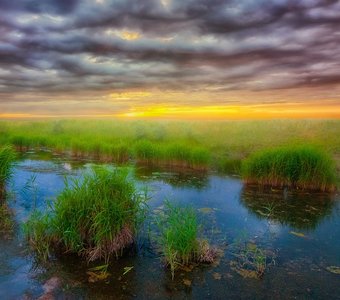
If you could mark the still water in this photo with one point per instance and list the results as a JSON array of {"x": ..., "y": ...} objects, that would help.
[{"x": 298, "y": 234}]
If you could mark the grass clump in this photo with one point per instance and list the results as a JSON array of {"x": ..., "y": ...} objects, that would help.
[
  {"x": 40, "y": 233},
  {"x": 172, "y": 154},
  {"x": 179, "y": 238},
  {"x": 95, "y": 217},
  {"x": 7, "y": 156},
  {"x": 300, "y": 167}
]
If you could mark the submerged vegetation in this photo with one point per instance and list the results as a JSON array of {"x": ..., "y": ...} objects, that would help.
[
  {"x": 300, "y": 167},
  {"x": 96, "y": 217},
  {"x": 179, "y": 238},
  {"x": 302, "y": 211},
  {"x": 251, "y": 261}
]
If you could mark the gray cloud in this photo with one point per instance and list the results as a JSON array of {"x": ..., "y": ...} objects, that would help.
[
  {"x": 197, "y": 45},
  {"x": 37, "y": 6}
]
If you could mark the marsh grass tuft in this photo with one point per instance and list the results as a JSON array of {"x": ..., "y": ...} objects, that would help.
[
  {"x": 40, "y": 234},
  {"x": 300, "y": 167},
  {"x": 7, "y": 156},
  {"x": 96, "y": 216},
  {"x": 172, "y": 154},
  {"x": 179, "y": 238}
]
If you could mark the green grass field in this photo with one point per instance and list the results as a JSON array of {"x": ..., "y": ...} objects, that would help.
[{"x": 219, "y": 145}]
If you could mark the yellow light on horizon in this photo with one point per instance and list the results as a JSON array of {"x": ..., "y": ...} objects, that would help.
[
  {"x": 14, "y": 115},
  {"x": 229, "y": 112},
  {"x": 144, "y": 106}
]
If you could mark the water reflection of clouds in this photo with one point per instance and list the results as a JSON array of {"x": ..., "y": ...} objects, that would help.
[{"x": 176, "y": 177}]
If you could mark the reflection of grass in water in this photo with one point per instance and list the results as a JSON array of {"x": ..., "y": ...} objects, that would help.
[
  {"x": 179, "y": 237},
  {"x": 301, "y": 167},
  {"x": 301, "y": 211},
  {"x": 177, "y": 177},
  {"x": 95, "y": 217}
]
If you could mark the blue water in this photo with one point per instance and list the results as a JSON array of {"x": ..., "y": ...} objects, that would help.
[{"x": 299, "y": 232}]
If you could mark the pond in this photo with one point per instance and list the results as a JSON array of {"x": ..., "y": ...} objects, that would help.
[{"x": 296, "y": 234}]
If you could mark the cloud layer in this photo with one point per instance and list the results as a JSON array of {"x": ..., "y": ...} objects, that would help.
[{"x": 86, "y": 49}]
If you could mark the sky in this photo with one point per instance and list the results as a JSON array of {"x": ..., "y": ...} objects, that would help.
[{"x": 191, "y": 59}]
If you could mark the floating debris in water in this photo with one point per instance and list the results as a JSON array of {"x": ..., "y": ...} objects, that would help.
[
  {"x": 243, "y": 272},
  {"x": 97, "y": 276},
  {"x": 98, "y": 273},
  {"x": 187, "y": 282},
  {"x": 52, "y": 284},
  {"x": 251, "y": 246},
  {"x": 206, "y": 210},
  {"x": 217, "y": 276},
  {"x": 333, "y": 269},
  {"x": 187, "y": 268},
  {"x": 299, "y": 234},
  {"x": 127, "y": 270}
]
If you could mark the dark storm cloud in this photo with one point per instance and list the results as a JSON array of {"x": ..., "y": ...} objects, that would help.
[
  {"x": 39, "y": 6},
  {"x": 64, "y": 46}
]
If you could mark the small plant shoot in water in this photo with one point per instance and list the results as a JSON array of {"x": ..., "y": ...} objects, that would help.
[
  {"x": 179, "y": 237},
  {"x": 251, "y": 261}
]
